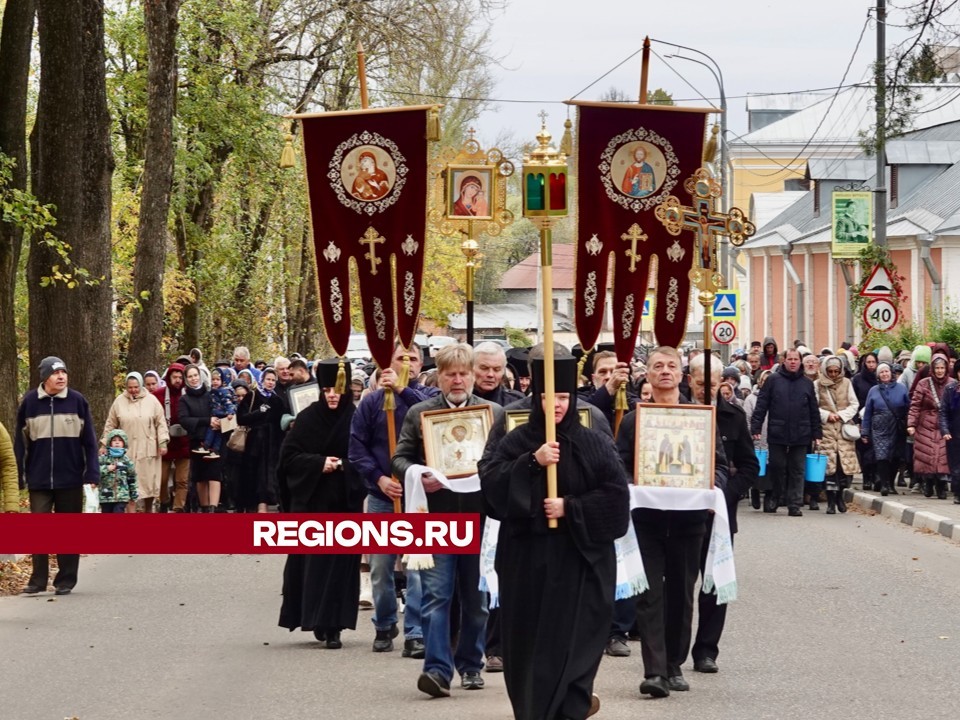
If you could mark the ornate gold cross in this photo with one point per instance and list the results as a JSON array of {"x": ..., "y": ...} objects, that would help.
[
  {"x": 702, "y": 219},
  {"x": 633, "y": 235},
  {"x": 372, "y": 238}
]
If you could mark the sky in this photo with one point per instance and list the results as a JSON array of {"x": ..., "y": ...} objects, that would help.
[{"x": 552, "y": 50}]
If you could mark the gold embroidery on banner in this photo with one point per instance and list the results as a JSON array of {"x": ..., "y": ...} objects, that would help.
[{"x": 371, "y": 238}]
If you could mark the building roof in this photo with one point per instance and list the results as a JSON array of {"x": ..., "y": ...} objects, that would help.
[
  {"x": 523, "y": 275},
  {"x": 513, "y": 315},
  {"x": 841, "y": 120},
  {"x": 922, "y": 152},
  {"x": 764, "y": 207},
  {"x": 784, "y": 101}
]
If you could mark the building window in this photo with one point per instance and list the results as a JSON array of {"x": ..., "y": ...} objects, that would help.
[
  {"x": 894, "y": 185},
  {"x": 816, "y": 200}
]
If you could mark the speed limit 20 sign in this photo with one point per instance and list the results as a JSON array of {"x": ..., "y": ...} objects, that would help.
[
  {"x": 724, "y": 332},
  {"x": 880, "y": 314}
]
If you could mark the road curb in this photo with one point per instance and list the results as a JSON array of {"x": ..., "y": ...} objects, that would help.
[{"x": 912, "y": 516}]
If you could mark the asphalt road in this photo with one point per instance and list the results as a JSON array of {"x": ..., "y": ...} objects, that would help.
[{"x": 839, "y": 616}]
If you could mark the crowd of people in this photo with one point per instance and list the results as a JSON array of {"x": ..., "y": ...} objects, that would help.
[{"x": 232, "y": 438}]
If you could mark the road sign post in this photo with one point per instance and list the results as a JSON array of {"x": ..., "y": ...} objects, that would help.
[{"x": 880, "y": 314}]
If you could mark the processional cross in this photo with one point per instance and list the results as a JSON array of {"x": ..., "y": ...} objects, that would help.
[
  {"x": 371, "y": 238},
  {"x": 703, "y": 219},
  {"x": 633, "y": 235}
]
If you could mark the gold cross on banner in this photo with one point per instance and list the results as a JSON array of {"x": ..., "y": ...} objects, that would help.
[
  {"x": 372, "y": 238},
  {"x": 702, "y": 219},
  {"x": 633, "y": 235}
]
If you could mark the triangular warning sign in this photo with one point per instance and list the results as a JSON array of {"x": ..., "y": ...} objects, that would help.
[
  {"x": 879, "y": 284},
  {"x": 724, "y": 306}
]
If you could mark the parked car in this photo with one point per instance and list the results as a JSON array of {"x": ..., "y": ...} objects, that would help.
[
  {"x": 439, "y": 341},
  {"x": 357, "y": 348}
]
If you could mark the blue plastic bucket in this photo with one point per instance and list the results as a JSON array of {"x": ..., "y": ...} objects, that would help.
[
  {"x": 816, "y": 468},
  {"x": 762, "y": 456}
]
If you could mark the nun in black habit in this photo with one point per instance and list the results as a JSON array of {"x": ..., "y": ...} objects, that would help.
[
  {"x": 320, "y": 591},
  {"x": 556, "y": 586}
]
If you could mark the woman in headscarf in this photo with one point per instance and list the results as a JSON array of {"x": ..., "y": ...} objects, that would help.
[
  {"x": 152, "y": 381},
  {"x": 320, "y": 591},
  {"x": 140, "y": 415},
  {"x": 863, "y": 381},
  {"x": 556, "y": 586},
  {"x": 930, "y": 463},
  {"x": 885, "y": 425},
  {"x": 950, "y": 429},
  {"x": 260, "y": 411},
  {"x": 838, "y": 405},
  {"x": 764, "y": 483},
  {"x": 196, "y": 416}
]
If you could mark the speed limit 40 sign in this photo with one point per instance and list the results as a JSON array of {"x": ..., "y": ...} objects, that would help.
[
  {"x": 880, "y": 314},
  {"x": 724, "y": 332}
]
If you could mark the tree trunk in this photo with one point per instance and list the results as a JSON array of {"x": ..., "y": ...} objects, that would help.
[
  {"x": 15, "y": 38},
  {"x": 74, "y": 165},
  {"x": 146, "y": 333}
]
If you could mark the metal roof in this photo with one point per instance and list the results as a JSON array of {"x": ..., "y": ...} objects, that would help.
[
  {"x": 841, "y": 169},
  {"x": 512, "y": 315},
  {"x": 764, "y": 207},
  {"x": 523, "y": 275},
  {"x": 922, "y": 152},
  {"x": 783, "y": 101},
  {"x": 841, "y": 120}
]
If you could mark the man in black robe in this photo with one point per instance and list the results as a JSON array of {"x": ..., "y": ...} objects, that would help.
[
  {"x": 320, "y": 591},
  {"x": 556, "y": 585}
]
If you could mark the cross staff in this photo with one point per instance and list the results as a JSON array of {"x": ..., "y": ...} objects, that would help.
[
  {"x": 372, "y": 238},
  {"x": 707, "y": 223}
]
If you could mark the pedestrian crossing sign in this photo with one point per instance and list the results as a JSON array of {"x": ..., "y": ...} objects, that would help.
[
  {"x": 647, "y": 307},
  {"x": 726, "y": 305}
]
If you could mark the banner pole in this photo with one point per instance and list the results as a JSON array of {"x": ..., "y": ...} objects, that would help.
[
  {"x": 644, "y": 71},
  {"x": 362, "y": 76},
  {"x": 549, "y": 379}
]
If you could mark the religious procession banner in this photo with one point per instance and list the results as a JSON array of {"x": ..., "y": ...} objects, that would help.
[
  {"x": 629, "y": 159},
  {"x": 852, "y": 222},
  {"x": 367, "y": 183}
]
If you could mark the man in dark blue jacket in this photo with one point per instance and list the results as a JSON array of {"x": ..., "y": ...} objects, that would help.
[
  {"x": 56, "y": 448},
  {"x": 794, "y": 423},
  {"x": 370, "y": 457}
]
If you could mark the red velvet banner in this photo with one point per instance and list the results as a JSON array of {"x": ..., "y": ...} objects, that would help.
[
  {"x": 240, "y": 534},
  {"x": 629, "y": 159},
  {"x": 367, "y": 182}
]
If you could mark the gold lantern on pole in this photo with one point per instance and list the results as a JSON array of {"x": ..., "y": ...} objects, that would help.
[{"x": 545, "y": 200}]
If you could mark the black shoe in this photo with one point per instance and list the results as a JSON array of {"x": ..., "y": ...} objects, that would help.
[
  {"x": 63, "y": 591},
  {"x": 320, "y": 635},
  {"x": 384, "y": 640},
  {"x": 471, "y": 680},
  {"x": 333, "y": 640},
  {"x": 754, "y": 498},
  {"x": 655, "y": 686},
  {"x": 414, "y": 648},
  {"x": 841, "y": 503},
  {"x": 884, "y": 491},
  {"x": 795, "y": 512},
  {"x": 433, "y": 685},
  {"x": 707, "y": 665},
  {"x": 814, "y": 503},
  {"x": 956, "y": 499},
  {"x": 616, "y": 647},
  {"x": 941, "y": 490},
  {"x": 32, "y": 589},
  {"x": 677, "y": 683},
  {"x": 928, "y": 488},
  {"x": 769, "y": 503}
]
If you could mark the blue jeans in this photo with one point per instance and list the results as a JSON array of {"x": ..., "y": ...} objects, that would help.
[
  {"x": 113, "y": 507},
  {"x": 385, "y": 591},
  {"x": 212, "y": 439},
  {"x": 462, "y": 572}
]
